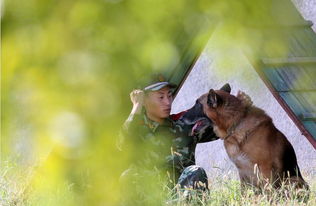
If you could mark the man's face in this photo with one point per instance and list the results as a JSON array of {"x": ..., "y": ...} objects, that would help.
[{"x": 158, "y": 103}]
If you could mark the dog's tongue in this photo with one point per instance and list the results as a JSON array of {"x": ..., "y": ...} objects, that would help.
[{"x": 197, "y": 124}]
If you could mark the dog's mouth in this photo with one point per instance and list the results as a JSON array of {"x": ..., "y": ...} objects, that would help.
[
  {"x": 200, "y": 126},
  {"x": 194, "y": 121}
]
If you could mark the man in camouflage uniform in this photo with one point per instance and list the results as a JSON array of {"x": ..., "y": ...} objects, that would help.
[
  {"x": 167, "y": 145},
  {"x": 164, "y": 141}
]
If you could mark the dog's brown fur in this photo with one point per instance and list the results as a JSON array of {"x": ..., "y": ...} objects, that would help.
[{"x": 253, "y": 143}]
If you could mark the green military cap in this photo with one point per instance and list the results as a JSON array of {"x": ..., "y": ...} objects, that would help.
[{"x": 157, "y": 82}]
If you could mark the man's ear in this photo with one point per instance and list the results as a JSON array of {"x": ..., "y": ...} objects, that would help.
[
  {"x": 226, "y": 88},
  {"x": 213, "y": 99}
]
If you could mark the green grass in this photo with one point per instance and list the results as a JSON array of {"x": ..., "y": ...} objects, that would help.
[
  {"x": 228, "y": 193},
  {"x": 16, "y": 190},
  {"x": 13, "y": 184}
]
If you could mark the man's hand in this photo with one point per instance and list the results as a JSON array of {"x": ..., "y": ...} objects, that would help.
[
  {"x": 244, "y": 98},
  {"x": 137, "y": 98}
]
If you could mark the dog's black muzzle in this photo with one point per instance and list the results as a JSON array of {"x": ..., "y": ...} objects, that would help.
[{"x": 200, "y": 125}]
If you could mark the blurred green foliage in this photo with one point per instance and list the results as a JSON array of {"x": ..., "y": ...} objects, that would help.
[{"x": 68, "y": 67}]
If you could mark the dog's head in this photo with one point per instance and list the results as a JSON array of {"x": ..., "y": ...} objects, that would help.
[
  {"x": 200, "y": 124},
  {"x": 222, "y": 108},
  {"x": 196, "y": 113}
]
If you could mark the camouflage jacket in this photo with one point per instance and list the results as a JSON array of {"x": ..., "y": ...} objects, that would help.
[{"x": 169, "y": 145}]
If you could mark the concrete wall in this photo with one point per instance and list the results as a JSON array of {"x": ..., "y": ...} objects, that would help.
[
  {"x": 307, "y": 9},
  {"x": 209, "y": 72}
]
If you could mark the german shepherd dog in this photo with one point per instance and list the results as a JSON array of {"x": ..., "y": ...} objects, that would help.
[{"x": 261, "y": 153}]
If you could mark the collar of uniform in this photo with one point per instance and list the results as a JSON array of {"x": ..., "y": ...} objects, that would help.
[
  {"x": 154, "y": 125},
  {"x": 151, "y": 124}
]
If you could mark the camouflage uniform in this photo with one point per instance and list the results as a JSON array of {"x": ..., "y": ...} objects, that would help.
[{"x": 165, "y": 146}]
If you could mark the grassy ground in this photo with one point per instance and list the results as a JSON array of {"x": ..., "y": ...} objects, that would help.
[
  {"x": 16, "y": 190},
  {"x": 228, "y": 193}
]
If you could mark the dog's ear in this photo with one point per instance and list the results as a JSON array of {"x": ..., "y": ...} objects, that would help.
[
  {"x": 226, "y": 88},
  {"x": 213, "y": 99}
]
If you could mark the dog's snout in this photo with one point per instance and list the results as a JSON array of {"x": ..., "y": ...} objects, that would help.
[{"x": 194, "y": 114}]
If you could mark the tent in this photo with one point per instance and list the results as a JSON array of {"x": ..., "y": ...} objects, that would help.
[{"x": 289, "y": 73}]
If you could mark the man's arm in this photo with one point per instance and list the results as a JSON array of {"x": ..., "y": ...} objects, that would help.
[{"x": 134, "y": 120}]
